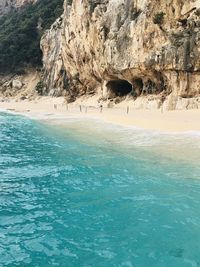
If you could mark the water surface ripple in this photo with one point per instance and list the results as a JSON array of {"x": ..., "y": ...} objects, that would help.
[{"x": 77, "y": 198}]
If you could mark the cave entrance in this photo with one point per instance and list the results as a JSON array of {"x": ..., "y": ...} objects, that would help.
[
  {"x": 118, "y": 88},
  {"x": 138, "y": 86}
]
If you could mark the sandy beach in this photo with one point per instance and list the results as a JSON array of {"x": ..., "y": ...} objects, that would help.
[{"x": 166, "y": 121}]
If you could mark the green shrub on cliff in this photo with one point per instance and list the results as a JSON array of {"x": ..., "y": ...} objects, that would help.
[
  {"x": 20, "y": 33},
  {"x": 159, "y": 18}
]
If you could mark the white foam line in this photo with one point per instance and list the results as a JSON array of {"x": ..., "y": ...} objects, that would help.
[{"x": 52, "y": 117}]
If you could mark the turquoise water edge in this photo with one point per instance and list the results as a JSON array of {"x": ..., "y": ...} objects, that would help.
[{"x": 89, "y": 194}]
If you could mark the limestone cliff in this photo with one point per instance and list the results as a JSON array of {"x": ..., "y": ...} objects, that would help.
[
  {"x": 7, "y": 5},
  {"x": 131, "y": 48},
  {"x": 54, "y": 75}
]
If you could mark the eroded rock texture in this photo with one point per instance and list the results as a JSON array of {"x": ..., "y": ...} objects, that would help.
[
  {"x": 54, "y": 75},
  {"x": 126, "y": 47}
]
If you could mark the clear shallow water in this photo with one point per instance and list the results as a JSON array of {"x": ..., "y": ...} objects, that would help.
[{"x": 98, "y": 196}]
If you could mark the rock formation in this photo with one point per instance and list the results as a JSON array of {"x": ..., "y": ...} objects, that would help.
[
  {"x": 54, "y": 75},
  {"x": 128, "y": 48},
  {"x": 19, "y": 86}
]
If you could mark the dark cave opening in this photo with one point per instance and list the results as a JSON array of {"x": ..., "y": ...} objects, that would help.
[
  {"x": 138, "y": 86},
  {"x": 118, "y": 88}
]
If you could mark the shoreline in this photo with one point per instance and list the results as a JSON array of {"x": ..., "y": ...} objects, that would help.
[{"x": 48, "y": 108}]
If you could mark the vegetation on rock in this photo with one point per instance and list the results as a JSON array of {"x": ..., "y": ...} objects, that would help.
[
  {"x": 159, "y": 18},
  {"x": 20, "y": 34}
]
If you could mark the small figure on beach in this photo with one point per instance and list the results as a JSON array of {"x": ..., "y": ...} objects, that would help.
[
  {"x": 127, "y": 110},
  {"x": 162, "y": 103}
]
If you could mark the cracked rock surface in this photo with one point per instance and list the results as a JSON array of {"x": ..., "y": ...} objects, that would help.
[{"x": 153, "y": 46}]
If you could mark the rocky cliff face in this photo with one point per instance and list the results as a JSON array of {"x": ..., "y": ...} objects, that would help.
[
  {"x": 126, "y": 48},
  {"x": 7, "y": 5},
  {"x": 54, "y": 75}
]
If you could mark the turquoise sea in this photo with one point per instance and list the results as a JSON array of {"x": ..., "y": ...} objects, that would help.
[{"x": 89, "y": 194}]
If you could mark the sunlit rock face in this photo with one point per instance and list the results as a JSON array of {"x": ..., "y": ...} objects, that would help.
[
  {"x": 54, "y": 74},
  {"x": 153, "y": 45},
  {"x": 7, "y": 5}
]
